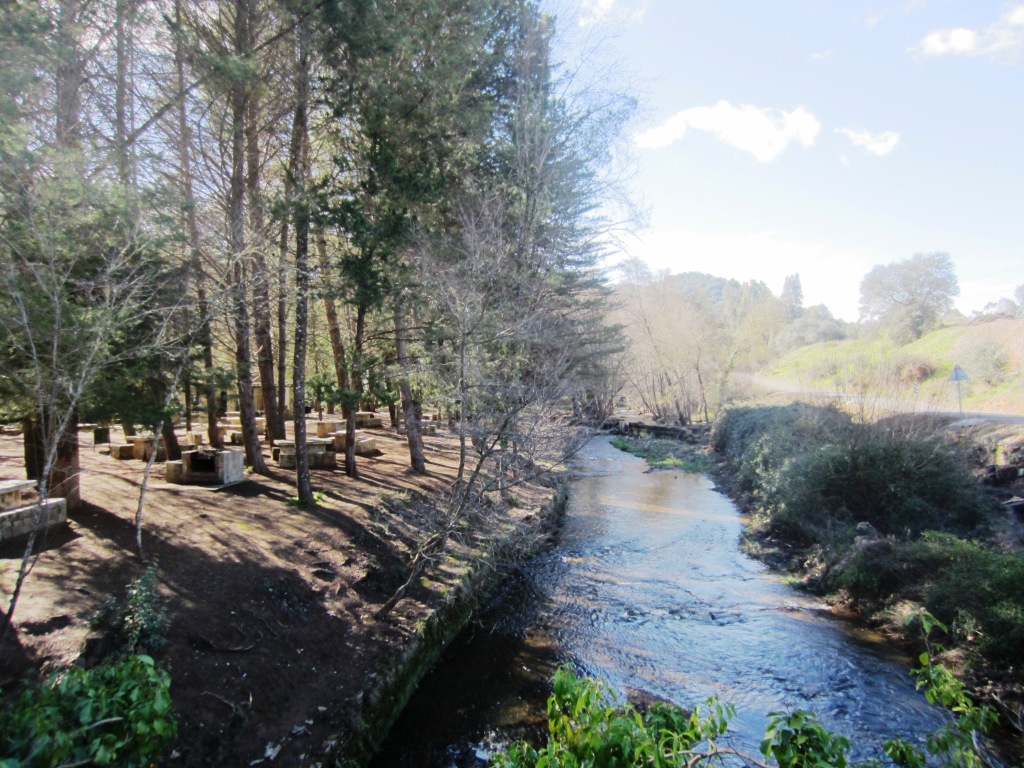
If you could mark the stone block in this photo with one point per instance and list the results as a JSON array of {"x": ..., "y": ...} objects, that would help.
[
  {"x": 326, "y": 427},
  {"x": 366, "y": 445},
  {"x": 230, "y": 467},
  {"x": 174, "y": 472},
  {"x": 235, "y": 438},
  {"x": 122, "y": 452},
  {"x": 323, "y": 460}
]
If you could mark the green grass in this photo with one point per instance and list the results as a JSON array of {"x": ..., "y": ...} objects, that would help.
[
  {"x": 990, "y": 353},
  {"x": 666, "y": 454}
]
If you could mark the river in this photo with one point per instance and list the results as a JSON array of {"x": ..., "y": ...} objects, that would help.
[{"x": 648, "y": 590}]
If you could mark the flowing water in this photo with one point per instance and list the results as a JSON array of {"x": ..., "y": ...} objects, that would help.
[{"x": 648, "y": 590}]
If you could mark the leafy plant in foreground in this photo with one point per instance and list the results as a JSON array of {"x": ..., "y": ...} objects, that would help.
[
  {"x": 114, "y": 714},
  {"x": 587, "y": 728}
]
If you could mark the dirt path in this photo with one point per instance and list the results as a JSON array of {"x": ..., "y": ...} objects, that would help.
[{"x": 272, "y": 604}]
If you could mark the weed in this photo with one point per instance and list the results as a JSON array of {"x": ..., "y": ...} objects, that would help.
[
  {"x": 113, "y": 714},
  {"x": 139, "y": 622}
]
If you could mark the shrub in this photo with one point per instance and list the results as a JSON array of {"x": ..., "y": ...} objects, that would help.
[
  {"x": 816, "y": 474},
  {"x": 974, "y": 587},
  {"x": 138, "y": 623},
  {"x": 116, "y": 714}
]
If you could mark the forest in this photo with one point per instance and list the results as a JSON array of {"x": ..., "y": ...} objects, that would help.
[{"x": 342, "y": 203}]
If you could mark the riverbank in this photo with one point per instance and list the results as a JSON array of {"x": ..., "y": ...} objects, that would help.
[
  {"x": 884, "y": 519},
  {"x": 275, "y": 648}
]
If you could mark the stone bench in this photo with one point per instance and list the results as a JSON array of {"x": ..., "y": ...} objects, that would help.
[
  {"x": 369, "y": 420},
  {"x": 366, "y": 446},
  {"x": 340, "y": 439},
  {"x": 23, "y": 520},
  {"x": 142, "y": 445},
  {"x": 122, "y": 452},
  {"x": 326, "y": 427},
  {"x": 318, "y": 453}
]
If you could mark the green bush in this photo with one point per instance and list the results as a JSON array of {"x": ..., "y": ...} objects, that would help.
[
  {"x": 587, "y": 728},
  {"x": 815, "y": 474},
  {"x": 975, "y": 590},
  {"x": 138, "y": 623},
  {"x": 116, "y": 714}
]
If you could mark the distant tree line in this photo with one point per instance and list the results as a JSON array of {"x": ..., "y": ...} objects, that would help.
[{"x": 687, "y": 333}]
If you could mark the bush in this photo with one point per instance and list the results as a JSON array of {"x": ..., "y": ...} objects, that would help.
[
  {"x": 815, "y": 474},
  {"x": 138, "y": 623},
  {"x": 587, "y": 728},
  {"x": 975, "y": 590},
  {"x": 117, "y": 714}
]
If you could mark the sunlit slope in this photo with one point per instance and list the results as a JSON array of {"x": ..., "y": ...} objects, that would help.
[{"x": 989, "y": 351}]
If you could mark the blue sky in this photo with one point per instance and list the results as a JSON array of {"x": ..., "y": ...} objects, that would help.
[{"x": 824, "y": 137}]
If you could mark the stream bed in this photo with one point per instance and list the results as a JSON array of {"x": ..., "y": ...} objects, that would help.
[{"x": 647, "y": 589}]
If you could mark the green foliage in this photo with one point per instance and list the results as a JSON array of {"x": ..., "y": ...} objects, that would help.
[
  {"x": 139, "y": 622},
  {"x": 117, "y": 714},
  {"x": 960, "y": 742},
  {"x": 910, "y": 296},
  {"x": 665, "y": 454},
  {"x": 974, "y": 588},
  {"x": 798, "y": 740},
  {"x": 816, "y": 474},
  {"x": 587, "y": 728}
]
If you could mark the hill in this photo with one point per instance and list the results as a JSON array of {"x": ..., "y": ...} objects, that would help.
[{"x": 990, "y": 350}]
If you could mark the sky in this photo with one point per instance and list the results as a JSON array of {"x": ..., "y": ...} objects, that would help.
[{"x": 823, "y": 137}]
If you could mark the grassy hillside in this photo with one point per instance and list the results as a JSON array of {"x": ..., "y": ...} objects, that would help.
[{"x": 990, "y": 351}]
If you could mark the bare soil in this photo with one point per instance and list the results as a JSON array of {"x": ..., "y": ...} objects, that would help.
[{"x": 273, "y": 632}]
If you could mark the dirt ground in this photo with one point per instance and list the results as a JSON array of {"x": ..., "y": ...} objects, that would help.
[{"x": 272, "y": 604}]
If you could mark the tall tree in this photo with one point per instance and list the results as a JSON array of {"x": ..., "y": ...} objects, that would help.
[{"x": 909, "y": 297}]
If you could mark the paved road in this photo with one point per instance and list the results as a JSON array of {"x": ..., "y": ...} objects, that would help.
[{"x": 879, "y": 405}]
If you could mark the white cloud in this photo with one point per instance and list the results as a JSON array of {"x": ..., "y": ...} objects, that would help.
[
  {"x": 1003, "y": 37},
  {"x": 822, "y": 55},
  {"x": 764, "y": 133},
  {"x": 878, "y": 144},
  {"x": 593, "y": 12}
]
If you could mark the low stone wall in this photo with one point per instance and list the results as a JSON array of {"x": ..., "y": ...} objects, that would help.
[
  {"x": 21, "y": 520},
  {"x": 376, "y": 709}
]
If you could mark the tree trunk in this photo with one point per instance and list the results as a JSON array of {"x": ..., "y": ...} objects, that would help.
[
  {"x": 282, "y": 309},
  {"x": 170, "y": 440},
  {"x": 261, "y": 281},
  {"x": 192, "y": 227},
  {"x": 239, "y": 96},
  {"x": 333, "y": 328},
  {"x": 300, "y": 210},
  {"x": 35, "y": 450},
  {"x": 64, "y": 474},
  {"x": 412, "y": 427},
  {"x": 356, "y": 381}
]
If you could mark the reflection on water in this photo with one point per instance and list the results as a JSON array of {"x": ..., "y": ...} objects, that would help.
[{"x": 649, "y": 591}]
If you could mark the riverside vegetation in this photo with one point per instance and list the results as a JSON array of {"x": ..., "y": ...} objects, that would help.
[
  {"x": 884, "y": 517},
  {"x": 587, "y": 727}
]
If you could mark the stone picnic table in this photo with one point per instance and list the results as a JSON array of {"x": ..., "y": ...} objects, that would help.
[
  {"x": 11, "y": 490},
  {"x": 142, "y": 445}
]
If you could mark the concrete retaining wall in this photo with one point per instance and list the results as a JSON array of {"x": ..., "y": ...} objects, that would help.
[{"x": 22, "y": 520}]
